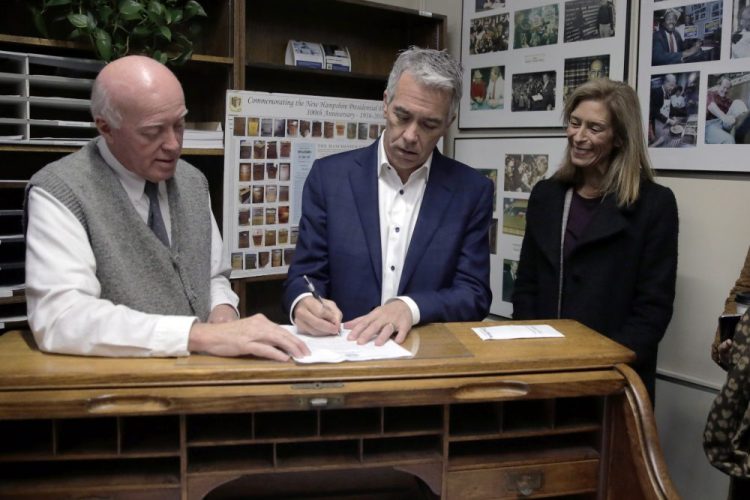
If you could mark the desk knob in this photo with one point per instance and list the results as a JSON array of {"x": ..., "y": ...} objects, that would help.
[{"x": 525, "y": 483}]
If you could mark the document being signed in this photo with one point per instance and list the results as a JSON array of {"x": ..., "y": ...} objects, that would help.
[{"x": 336, "y": 348}]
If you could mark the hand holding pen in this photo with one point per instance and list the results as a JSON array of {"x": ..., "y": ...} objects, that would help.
[{"x": 315, "y": 315}]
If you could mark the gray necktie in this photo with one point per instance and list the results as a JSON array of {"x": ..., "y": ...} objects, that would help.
[{"x": 155, "y": 221}]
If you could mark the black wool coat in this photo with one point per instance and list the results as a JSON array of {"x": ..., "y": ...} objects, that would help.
[{"x": 620, "y": 278}]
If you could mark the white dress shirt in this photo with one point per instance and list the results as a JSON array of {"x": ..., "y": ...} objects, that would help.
[
  {"x": 398, "y": 206},
  {"x": 66, "y": 312}
]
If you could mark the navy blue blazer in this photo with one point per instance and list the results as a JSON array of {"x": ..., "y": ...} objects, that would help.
[
  {"x": 660, "y": 53},
  {"x": 446, "y": 271}
]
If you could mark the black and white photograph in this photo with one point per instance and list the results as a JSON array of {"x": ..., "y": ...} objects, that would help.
[
  {"x": 727, "y": 114},
  {"x": 487, "y": 89},
  {"x": 579, "y": 70},
  {"x": 740, "y": 40},
  {"x": 488, "y": 34},
  {"x": 533, "y": 91},
  {"x": 484, "y": 5},
  {"x": 536, "y": 27},
  {"x": 673, "y": 110},
  {"x": 589, "y": 19},
  {"x": 687, "y": 34},
  {"x": 510, "y": 270},
  {"x": 523, "y": 171}
]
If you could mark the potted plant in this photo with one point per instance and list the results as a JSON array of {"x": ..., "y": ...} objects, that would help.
[{"x": 161, "y": 29}]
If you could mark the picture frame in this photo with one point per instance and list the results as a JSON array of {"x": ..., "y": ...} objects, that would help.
[
  {"x": 522, "y": 57},
  {"x": 694, "y": 83},
  {"x": 515, "y": 165}
]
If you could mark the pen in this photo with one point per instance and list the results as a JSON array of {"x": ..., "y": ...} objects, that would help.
[{"x": 315, "y": 293}]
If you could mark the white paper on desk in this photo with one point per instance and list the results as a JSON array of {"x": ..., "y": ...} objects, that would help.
[
  {"x": 507, "y": 332},
  {"x": 336, "y": 348}
]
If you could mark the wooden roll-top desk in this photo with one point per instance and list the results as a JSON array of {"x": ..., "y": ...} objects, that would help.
[{"x": 463, "y": 419}]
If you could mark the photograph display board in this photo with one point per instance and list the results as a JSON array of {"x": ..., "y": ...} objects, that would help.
[
  {"x": 271, "y": 143},
  {"x": 694, "y": 83},
  {"x": 514, "y": 166},
  {"x": 522, "y": 58}
]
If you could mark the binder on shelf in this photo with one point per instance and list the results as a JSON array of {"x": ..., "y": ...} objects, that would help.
[
  {"x": 304, "y": 54},
  {"x": 337, "y": 57},
  {"x": 16, "y": 290}
]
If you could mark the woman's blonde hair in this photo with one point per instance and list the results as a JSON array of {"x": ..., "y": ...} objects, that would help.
[{"x": 629, "y": 162}]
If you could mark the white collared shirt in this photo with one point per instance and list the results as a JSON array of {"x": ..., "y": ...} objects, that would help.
[
  {"x": 398, "y": 204},
  {"x": 63, "y": 294}
]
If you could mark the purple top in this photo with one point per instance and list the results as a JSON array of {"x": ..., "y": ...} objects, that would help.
[{"x": 581, "y": 212}]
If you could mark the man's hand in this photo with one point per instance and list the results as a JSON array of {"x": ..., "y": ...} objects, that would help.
[
  {"x": 222, "y": 313},
  {"x": 314, "y": 318},
  {"x": 692, "y": 50},
  {"x": 381, "y": 323},
  {"x": 256, "y": 336}
]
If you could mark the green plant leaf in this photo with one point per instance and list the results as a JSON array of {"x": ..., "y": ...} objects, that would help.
[
  {"x": 182, "y": 58},
  {"x": 165, "y": 32},
  {"x": 193, "y": 8},
  {"x": 105, "y": 13},
  {"x": 175, "y": 15},
  {"x": 103, "y": 44},
  {"x": 76, "y": 33},
  {"x": 130, "y": 9},
  {"x": 156, "y": 7},
  {"x": 141, "y": 31},
  {"x": 80, "y": 21},
  {"x": 39, "y": 23},
  {"x": 160, "y": 56}
]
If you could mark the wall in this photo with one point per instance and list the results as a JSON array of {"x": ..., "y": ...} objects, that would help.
[{"x": 714, "y": 238}]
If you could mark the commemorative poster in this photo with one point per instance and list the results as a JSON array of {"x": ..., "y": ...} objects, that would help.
[
  {"x": 271, "y": 143},
  {"x": 694, "y": 83},
  {"x": 522, "y": 58},
  {"x": 514, "y": 166}
]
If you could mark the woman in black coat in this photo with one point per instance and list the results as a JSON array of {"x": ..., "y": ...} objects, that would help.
[{"x": 619, "y": 246}]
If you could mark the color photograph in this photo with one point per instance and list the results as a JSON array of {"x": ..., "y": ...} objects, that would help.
[
  {"x": 488, "y": 34},
  {"x": 536, "y": 27},
  {"x": 673, "y": 110},
  {"x": 687, "y": 34},
  {"x": 589, "y": 19}
]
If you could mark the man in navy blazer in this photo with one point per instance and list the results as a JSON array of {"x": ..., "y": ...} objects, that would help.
[
  {"x": 668, "y": 46},
  {"x": 395, "y": 234}
]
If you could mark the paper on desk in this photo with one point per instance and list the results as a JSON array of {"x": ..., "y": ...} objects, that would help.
[
  {"x": 507, "y": 332},
  {"x": 336, "y": 348}
]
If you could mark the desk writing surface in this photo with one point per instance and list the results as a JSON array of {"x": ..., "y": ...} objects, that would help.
[{"x": 450, "y": 349}]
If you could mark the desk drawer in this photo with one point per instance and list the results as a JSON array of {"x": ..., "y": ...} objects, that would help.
[{"x": 529, "y": 481}]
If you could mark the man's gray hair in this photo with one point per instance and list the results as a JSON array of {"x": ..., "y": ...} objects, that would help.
[
  {"x": 101, "y": 105},
  {"x": 433, "y": 68}
]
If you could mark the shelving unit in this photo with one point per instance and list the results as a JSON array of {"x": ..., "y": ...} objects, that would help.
[
  {"x": 242, "y": 47},
  {"x": 220, "y": 446}
]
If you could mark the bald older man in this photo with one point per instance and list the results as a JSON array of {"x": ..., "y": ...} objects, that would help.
[{"x": 124, "y": 257}]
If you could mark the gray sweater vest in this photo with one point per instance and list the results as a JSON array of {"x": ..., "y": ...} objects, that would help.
[{"x": 134, "y": 268}]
